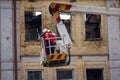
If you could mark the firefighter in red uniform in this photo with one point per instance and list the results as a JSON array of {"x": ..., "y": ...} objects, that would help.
[{"x": 49, "y": 40}]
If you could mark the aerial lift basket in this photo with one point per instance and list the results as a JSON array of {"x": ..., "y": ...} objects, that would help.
[{"x": 60, "y": 57}]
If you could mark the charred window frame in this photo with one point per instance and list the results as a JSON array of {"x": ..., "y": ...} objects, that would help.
[
  {"x": 66, "y": 18},
  {"x": 35, "y": 75},
  {"x": 32, "y": 25},
  {"x": 65, "y": 74},
  {"x": 97, "y": 74},
  {"x": 93, "y": 27}
]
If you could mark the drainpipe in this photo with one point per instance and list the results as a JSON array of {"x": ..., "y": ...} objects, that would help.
[
  {"x": 15, "y": 42},
  {"x": 0, "y": 41}
]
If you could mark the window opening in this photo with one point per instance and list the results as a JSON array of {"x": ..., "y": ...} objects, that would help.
[
  {"x": 32, "y": 25},
  {"x": 31, "y": 0},
  {"x": 72, "y": 0},
  {"x": 97, "y": 74},
  {"x": 34, "y": 75},
  {"x": 92, "y": 26},
  {"x": 65, "y": 75}
]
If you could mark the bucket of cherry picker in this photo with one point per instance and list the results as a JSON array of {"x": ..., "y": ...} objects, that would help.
[{"x": 57, "y": 54}]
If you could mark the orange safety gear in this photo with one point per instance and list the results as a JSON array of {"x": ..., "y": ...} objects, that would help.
[{"x": 50, "y": 36}]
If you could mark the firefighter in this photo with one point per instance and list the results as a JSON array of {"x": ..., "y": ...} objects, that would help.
[{"x": 49, "y": 40}]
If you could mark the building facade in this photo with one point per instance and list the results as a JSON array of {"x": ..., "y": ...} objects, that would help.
[
  {"x": 89, "y": 52},
  {"x": 95, "y": 44},
  {"x": 114, "y": 39}
]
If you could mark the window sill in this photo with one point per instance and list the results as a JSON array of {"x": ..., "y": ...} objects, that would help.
[
  {"x": 94, "y": 39},
  {"x": 31, "y": 42}
]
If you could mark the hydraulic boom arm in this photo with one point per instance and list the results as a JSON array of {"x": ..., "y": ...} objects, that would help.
[{"x": 55, "y": 8}]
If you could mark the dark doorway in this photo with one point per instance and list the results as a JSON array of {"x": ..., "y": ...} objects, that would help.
[{"x": 94, "y": 74}]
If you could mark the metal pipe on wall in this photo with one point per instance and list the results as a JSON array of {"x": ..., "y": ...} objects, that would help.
[
  {"x": 14, "y": 39},
  {"x": 0, "y": 39}
]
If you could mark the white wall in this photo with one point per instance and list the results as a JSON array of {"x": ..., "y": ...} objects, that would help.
[
  {"x": 7, "y": 43},
  {"x": 114, "y": 43}
]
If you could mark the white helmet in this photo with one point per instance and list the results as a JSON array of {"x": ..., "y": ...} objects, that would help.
[
  {"x": 49, "y": 30},
  {"x": 45, "y": 30}
]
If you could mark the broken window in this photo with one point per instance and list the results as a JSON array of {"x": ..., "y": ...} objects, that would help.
[
  {"x": 66, "y": 18},
  {"x": 92, "y": 26},
  {"x": 32, "y": 25},
  {"x": 72, "y": 0},
  {"x": 34, "y": 75},
  {"x": 31, "y": 0},
  {"x": 97, "y": 74},
  {"x": 65, "y": 75}
]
